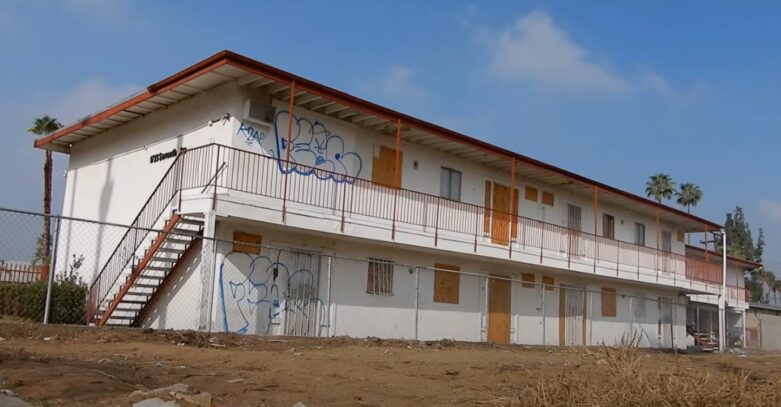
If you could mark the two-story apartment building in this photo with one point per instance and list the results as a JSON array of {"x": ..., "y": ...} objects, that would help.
[{"x": 387, "y": 225}]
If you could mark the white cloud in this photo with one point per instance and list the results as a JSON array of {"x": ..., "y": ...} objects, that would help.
[
  {"x": 771, "y": 210},
  {"x": 396, "y": 83},
  {"x": 87, "y": 98},
  {"x": 534, "y": 49}
]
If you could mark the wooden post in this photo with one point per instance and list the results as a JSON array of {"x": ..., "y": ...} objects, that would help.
[{"x": 288, "y": 147}]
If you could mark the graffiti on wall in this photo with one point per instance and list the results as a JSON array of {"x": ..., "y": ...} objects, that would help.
[
  {"x": 314, "y": 149},
  {"x": 250, "y": 134},
  {"x": 256, "y": 292}
]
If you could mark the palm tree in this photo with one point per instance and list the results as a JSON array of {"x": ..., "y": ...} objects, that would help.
[
  {"x": 660, "y": 186},
  {"x": 689, "y": 195},
  {"x": 42, "y": 126}
]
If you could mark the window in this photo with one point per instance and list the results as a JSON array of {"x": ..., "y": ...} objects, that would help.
[
  {"x": 667, "y": 241},
  {"x": 246, "y": 243},
  {"x": 547, "y": 198},
  {"x": 608, "y": 302},
  {"x": 608, "y": 226},
  {"x": 681, "y": 236},
  {"x": 450, "y": 184},
  {"x": 530, "y": 194},
  {"x": 447, "y": 283},
  {"x": 547, "y": 282},
  {"x": 527, "y": 280},
  {"x": 379, "y": 280},
  {"x": 639, "y": 234}
]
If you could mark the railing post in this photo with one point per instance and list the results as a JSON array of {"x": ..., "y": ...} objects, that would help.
[
  {"x": 477, "y": 225},
  {"x": 638, "y": 261},
  {"x": 512, "y": 211},
  {"x": 216, "y": 175},
  {"x": 180, "y": 163},
  {"x": 436, "y": 221},
  {"x": 344, "y": 203},
  {"x": 542, "y": 241}
]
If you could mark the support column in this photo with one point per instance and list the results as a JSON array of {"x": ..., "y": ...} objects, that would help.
[
  {"x": 396, "y": 177},
  {"x": 288, "y": 146},
  {"x": 207, "y": 271},
  {"x": 512, "y": 223}
]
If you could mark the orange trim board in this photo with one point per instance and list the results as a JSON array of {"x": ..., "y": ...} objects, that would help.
[{"x": 239, "y": 61}]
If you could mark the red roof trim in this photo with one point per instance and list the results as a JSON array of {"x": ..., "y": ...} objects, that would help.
[{"x": 251, "y": 65}]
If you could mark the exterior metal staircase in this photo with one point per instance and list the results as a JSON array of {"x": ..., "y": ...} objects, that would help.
[{"x": 167, "y": 251}]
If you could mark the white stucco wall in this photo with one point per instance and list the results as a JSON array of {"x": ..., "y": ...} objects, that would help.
[{"x": 349, "y": 310}]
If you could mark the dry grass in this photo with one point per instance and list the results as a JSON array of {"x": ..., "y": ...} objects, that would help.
[{"x": 624, "y": 376}]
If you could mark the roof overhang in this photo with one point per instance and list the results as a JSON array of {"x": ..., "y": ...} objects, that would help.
[
  {"x": 228, "y": 66},
  {"x": 699, "y": 252}
]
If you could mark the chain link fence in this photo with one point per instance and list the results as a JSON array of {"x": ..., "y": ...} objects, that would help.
[{"x": 174, "y": 278}]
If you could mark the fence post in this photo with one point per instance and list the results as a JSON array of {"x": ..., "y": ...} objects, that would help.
[
  {"x": 52, "y": 267},
  {"x": 417, "y": 299},
  {"x": 329, "y": 297},
  {"x": 542, "y": 287}
]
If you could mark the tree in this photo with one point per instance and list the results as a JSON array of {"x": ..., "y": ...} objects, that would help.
[
  {"x": 741, "y": 244},
  {"x": 660, "y": 186},
  {"x": 42, "y": 126},
  {"x": 689, "y": 195}
]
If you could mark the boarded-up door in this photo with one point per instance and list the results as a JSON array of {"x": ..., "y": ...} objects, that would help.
[
  {"x": 572, "y": 313},
  {"x": 503, "y": 211},
  {"x": 498, "y": 311},
  {"x": 384, "y": 168},
  {"x": 304, "y": 311},
  {"x": 665, "y": 323}
]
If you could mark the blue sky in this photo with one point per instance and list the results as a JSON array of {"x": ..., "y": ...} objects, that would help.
[{"x": 613, "y": 90}]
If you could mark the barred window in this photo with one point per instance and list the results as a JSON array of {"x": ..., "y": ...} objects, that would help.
[{"x": 379, "y": 280}]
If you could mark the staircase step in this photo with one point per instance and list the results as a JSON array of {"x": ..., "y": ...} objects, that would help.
[
  {"x": 170, "y": 250},
  {"x": 164, "y": 259},
  {"x": 124, "y": 301},
  {"x": 141, "y": 285},
  {"x": 187, "y": 232},
  {"x": 174, "y": 240},
  {"x": 125, "y": 317},
  {"x": 157, "y": 268},
  {"x": 191, "y": 221}
]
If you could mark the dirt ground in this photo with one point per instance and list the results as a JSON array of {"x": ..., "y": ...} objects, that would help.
[{"x": 78, "y": 366}]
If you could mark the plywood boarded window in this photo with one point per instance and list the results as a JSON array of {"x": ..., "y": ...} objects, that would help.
[
  {"x": 527, "y": 280},
  {"x": 246, "y": 242},
  {"x": 447, "y": 283},
  {"x": 384, "y": 168},
  {"x": 530, "y": 193},
  {"x": 379, "y": 279},
  {"x": 681, "y": 236},
  {"x": 608, "y": 302},
  {"x": 548, "y": 282},
  {"x": 548, "y": 198}
]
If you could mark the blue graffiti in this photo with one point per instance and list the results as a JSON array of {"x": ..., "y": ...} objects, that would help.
[
  {"x": 256, "y": 293},
  {"x": 314, "y": 150},
  {"x": 251, "y": 135}
]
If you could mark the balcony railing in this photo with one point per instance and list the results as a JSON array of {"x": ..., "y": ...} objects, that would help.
[
  {"x": 352, "y": 198},
  {"x": 737, "y": 293}
]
